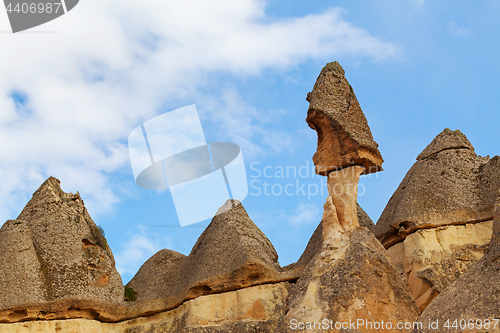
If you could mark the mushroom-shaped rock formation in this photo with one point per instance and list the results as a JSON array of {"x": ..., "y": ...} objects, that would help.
[
  {"x": 438, "y": 222},
  {"x": 344, "y": 138},
  {"x": 55, "y": 263},
  {"x": 474, "y": 296},
  {"x": 346, "y": 275},
  {"x": 232, "y": 253}
]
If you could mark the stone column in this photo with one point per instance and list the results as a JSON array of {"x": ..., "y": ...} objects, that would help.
[{"x": 343, "y": 189}]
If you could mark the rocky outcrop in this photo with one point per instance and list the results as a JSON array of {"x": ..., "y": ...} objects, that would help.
[
  {"x": 56, "y": 262},
  {"x": 294, "y": 271},
  {"x": 438, "y": 222},
  {"x": 250, "y": 310},
  {"x": 350, "y": 278},
  {"x": 354, "y": 280},
  {"x": 346, "y": 275},
  {"x": 232, "y": 253},
  {"x": 156, "y": 276},
  {"x": 446, "y": 186},
  {"x": 344, "y": 138},
  {"x": 474, "y": 297}
]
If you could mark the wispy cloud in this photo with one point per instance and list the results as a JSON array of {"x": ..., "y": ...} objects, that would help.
[
  {"x": 304, "y": 214},
  {"x": 68, "y": 100},
  {"x": 457, "y": 31}
]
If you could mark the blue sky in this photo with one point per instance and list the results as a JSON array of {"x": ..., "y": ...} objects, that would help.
[{"x": 73, "y": 89}]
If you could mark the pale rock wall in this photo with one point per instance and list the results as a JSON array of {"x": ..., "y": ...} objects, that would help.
[
  {"x": 254, "y": 309},
  {"x": 432, "y": 259}
]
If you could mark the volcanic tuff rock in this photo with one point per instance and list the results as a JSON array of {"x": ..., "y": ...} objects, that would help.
[
  {"x": 55, "y": 262},
  {"x": 350, "y": 277},
  {"x": 364, "y": 220},
  {"x": 294, "y": 271},
  {"x": 429, "y": 260},
  {"x": 446, "y": 186},
  {"x": 344, "y": 138},
  {"x": 475, "y": 294},
  {"x": 438, "y": 222},
  {"x": 447, "y": 139},
  {"x": 232, "y": 253},
  {"x": 251, "y": 310}
]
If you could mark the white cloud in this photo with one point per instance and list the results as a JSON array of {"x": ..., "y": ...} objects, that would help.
[
  {"x": 419, "y": 3},
  {"x": 457, "y": 31},
  {"x": 136, "y": 250},
  {"x": 110, "y": 66},
  {"x": 304, "y": 214},
  {"x": 234, "y": 120}
]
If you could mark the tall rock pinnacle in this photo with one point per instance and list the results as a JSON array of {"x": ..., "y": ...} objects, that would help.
[
  {"x": 348, "y": 276},
  {"x": 344, "y": 138}
]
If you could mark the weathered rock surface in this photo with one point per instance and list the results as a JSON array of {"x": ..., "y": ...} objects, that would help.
[
  {"x": 294, "y": 271},
  {"x": 351, "y": 278},
  {"x": 157, "y": 275},
  {"x": 344, "y": 138},
  {"x": 55, "y": 262},
  {"x": 448, "y": 185},
  {"x": 447, "y": 139},
  {"x": 346, "y": 189},
  {"x": 251, "y": 310},
  {"x": 438, "y": 222},
  {"x": 429, "y": 260},
  {"x": 474, "y": 295},
  {"x": 343, "y": 190},
  {"x": 232, "y": 253}
]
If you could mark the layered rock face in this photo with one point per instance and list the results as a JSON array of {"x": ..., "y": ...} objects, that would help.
[
  {"x": 474, "y": 298},
  {"x": 344, "y": 138},
  {"x": 438, "y": 222},
  {"x": 55, "y": 262},
  {"x": 250, "y": 310}
]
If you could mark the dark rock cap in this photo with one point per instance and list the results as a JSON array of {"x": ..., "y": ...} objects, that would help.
[
  {"x": 344, "y": 138},
  {"x": 448, "y": 139},
  {"x": 352, "y": 281}
]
